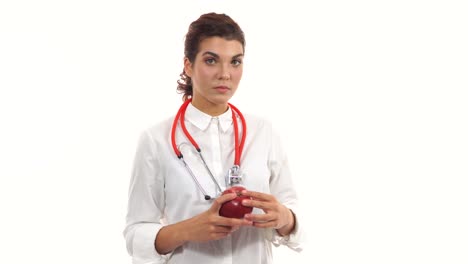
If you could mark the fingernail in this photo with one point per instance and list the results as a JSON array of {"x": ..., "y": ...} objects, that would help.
[{"x": 245, "y": 202}]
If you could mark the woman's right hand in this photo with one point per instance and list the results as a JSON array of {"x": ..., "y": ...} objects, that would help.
[
  {"x": 209, "y": 225},
  {"x": 206, "y": 226}
]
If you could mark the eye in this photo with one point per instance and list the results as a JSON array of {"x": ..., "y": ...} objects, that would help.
[
  {"x": 210, "y": 61},
  {"x": 236, "y": 62}
]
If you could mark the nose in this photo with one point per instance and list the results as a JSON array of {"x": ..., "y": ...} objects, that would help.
[{"x": 224, "y": 73}]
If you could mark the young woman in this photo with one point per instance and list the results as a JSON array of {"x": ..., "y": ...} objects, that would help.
[{"x": 183, "y": 164}]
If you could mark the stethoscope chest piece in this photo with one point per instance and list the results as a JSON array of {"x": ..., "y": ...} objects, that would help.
[{"x": 234, "y": 176}]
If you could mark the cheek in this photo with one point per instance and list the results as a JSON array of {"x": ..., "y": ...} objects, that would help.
[
  {"x": 205, "y": 74},
  {"x": 237, "y": 75}
]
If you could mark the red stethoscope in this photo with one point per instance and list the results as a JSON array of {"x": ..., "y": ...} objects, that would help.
[{"x": 234, "y": 175}]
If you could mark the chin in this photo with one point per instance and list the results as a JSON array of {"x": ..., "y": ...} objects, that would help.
[{"x": 220, "y": 99}]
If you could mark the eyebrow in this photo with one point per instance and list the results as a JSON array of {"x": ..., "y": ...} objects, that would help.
[{"x": 217, "y": 56}]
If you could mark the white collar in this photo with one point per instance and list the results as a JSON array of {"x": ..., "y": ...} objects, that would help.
[{"x": 202, "y": 120}]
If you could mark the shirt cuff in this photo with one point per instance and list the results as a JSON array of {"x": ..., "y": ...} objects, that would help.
[
  {"x": 294, "y": 240},
  {"x": 144, "y": 251}
]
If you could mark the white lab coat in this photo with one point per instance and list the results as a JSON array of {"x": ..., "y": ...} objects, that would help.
[{"x": 162, "y": 192}]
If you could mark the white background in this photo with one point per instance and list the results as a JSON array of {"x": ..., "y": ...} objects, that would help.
[{"x": 369, "y": 97}]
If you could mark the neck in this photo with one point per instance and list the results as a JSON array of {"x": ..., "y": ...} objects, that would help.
[{"x": 211, "y": 109}]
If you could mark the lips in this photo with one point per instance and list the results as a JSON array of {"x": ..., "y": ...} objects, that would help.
[{"x": 222, "y": 89}]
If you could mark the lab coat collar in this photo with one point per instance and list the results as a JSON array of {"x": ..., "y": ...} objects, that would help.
[{"x": 202, "y": 120}]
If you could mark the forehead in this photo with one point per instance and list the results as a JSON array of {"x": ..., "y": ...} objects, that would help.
[{"x": 221, "y": 46}]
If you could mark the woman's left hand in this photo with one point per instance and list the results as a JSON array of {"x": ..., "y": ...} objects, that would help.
[{"x": 276, "y": 215}]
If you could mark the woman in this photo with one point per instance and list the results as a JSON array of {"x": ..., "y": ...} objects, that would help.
[{"x": 175, "y": 193}]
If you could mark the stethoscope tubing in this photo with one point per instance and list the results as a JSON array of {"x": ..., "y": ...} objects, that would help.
[{"x": 238, "y": 147}]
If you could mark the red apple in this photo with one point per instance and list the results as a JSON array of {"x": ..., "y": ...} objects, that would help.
[{"x": 234, "y": 208}]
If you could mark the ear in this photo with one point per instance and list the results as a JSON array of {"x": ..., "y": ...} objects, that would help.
[{"x": 188, "y": 67}]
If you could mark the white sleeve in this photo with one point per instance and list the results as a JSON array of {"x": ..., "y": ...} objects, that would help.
[
  {"x": 146, "y": 203},
  {"x": 282, "y": 187}
]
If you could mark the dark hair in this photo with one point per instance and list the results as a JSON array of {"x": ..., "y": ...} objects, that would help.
[{"x": 207, "y": 25}]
